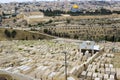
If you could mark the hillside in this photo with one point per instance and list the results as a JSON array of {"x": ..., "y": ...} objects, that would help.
[{"x": 10, "y": 34}]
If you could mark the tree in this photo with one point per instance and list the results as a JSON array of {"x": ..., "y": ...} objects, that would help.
[
  {"x": 7, "y": 33},
  {"x": 113, "y": 38},
  {"x": 30, "y": 25},
  {"x": 14, "y": 20},
  {"x": 106, "y": 38},
  {"x": 76, "y": 36},
  {"x": 105, "y": 11},
  {"x": 68, "y": 21},
  {"x": 49, "y": 32},
  {"x": 7, "y": 25},
  {"x": 50, "y": 21},
  {"x": 26, "y": 38},
  {"x": 45, "y": 30},
  {"x": 13, "y": 33},
  {"x": 40, "y": 24},
  {"x": 33, "y": 36},
  {"x": 119, "y": 39}
]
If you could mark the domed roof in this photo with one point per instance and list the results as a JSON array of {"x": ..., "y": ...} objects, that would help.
[{"x": 75, "y": 6}]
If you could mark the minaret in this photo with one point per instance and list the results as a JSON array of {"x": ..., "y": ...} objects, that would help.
[
  {"x": 66, "y": 5},
  {"x": 58, "y": 3},
  {"x": 55, "y": 5}
]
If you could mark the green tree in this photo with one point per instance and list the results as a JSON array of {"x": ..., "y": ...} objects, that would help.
[
  {"x": 7, "y": 33},
  {"x": 105, "y": 11},
  {"x": 76, "y": 36},
  {"x": 50, "y": 32},
  {"x": 45, "y": 30},
  {"x": 14, "y": 20},
  {"x": 33, "y": 36},
  {"x": 13, "y": 34},
  {"x": 30, "y": 25},
  {"x": 50, "y": 21},
  {"x": 68, "y": 21}
]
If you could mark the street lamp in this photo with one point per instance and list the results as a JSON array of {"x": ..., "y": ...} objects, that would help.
[
  {"x": 65, "y": 52},
  {"x": 114, "y": 30}
]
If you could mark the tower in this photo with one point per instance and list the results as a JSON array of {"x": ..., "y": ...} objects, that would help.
[
  {"x": 58, "y": 3},
  {"x": 66, "y": 5},
  {"x": 55, "y": 5}
]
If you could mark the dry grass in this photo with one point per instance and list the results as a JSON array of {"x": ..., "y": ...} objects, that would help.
[{"x": 23, "y": 35}]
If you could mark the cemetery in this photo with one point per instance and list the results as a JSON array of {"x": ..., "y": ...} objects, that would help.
[{"x": 45, "y": 60}]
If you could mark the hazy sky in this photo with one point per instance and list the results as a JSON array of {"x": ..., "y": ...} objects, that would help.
[{"x": 6, "y": 1}]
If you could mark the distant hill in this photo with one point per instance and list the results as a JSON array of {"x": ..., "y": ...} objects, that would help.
[{"x": 11, "y": 34}]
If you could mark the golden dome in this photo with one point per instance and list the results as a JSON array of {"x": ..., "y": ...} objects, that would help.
[{"x": 75, "y": 6}]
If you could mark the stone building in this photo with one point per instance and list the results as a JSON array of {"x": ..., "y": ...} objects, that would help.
[{"x": 33, "y": 17}]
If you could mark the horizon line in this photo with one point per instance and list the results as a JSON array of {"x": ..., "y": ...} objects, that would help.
[{"x": 60, "y": 1}]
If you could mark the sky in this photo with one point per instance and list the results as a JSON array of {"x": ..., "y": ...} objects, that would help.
[{"x": 7, "y": 1}]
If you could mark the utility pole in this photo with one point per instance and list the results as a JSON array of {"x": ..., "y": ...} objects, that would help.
[
  {"x": 65, "y": 64},
  {"x": 114, "y": 37}
]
